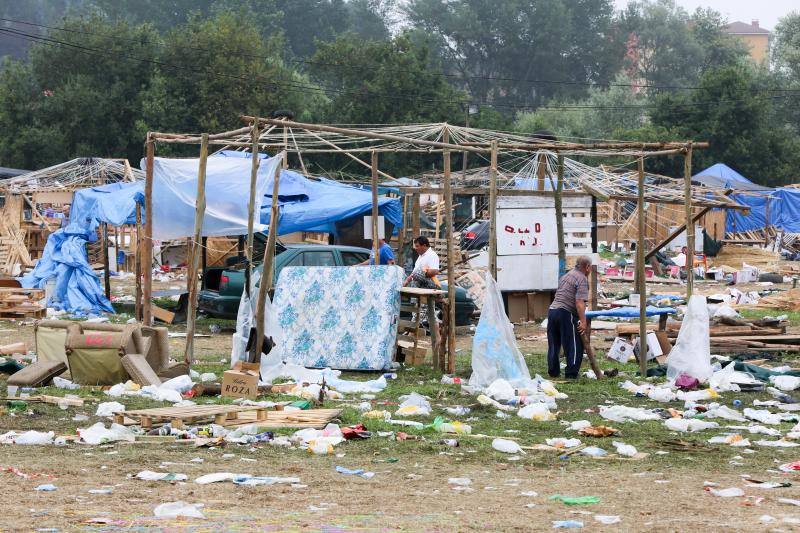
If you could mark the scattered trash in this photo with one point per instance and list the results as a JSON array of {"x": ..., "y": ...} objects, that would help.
[
  {"x": 562, "y": 443},
  {"x": 789, "y": 501},
  {"x": 594, "y": 451},
  {"x": 598, "y": 431},
  {"x": 690, "y": 425},
  {"x": 179, "y": 509},
  {"x": 460, "y": 481},
  {"x": 358, "y": 472},
  {"x": 607, "y": 519},
  {"x": 98, "y": 434},
  {"x": 624, "y": 449},
  {"x": 414, "y": 405},
  {"x": 46, "y": 488},
  {"x": 732, "y": 492},
  {"x": 506, "y": 446},
  {"x": 148, "y": 475},
  {"x": 567, "y": 524},
  {"x": 536, "y": 411},
  {"x": 621, "y": 413},
  {"x": 109, "y": 408},
  {"x": 575, "y": 500}
]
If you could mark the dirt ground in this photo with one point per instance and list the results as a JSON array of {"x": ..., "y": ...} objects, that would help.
[{"x": 659, "y": 493}]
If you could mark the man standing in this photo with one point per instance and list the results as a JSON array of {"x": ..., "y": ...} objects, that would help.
[
  {"x": 385, "y": 255},
  {"x": 566, "y": 320},
  {"x": 426, "y": 267}
]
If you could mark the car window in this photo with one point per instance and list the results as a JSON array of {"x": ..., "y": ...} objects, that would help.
[
  {"x": 353, "y": 258},
  {"x": 318, "y": 259},
  {"x": 295, "y": 261}
]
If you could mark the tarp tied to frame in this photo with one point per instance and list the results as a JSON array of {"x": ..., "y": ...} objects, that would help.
[
  {"x": 339, "y": 317},
  {"x": 227, "y": 193}
]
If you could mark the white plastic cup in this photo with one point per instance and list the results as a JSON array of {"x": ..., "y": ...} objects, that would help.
[{"x": 12, "y": 391}]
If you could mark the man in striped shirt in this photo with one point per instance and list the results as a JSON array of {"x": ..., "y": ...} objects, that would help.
[{"x": 566, "y": 320}]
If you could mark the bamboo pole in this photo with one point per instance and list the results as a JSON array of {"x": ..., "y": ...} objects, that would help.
[
  {"x": 199, "y": 213},
  {"x": 375, "y": 240},
  {"x": 493, "y": 212},
  {"x": 106, "y": 262},
  {"x": 640, "y": 279},
  {"x": 147, "y": 239},
  {"x": 266, "y": 267},
  {"x": 451, "y": 262},
  {"x": 138, "y": 262},
  {"x": 415, "y": 209},
  {"x": 251, "y": 207},
  {"x": 687, "y": 177},
  {"x": 559, "y": 205}
]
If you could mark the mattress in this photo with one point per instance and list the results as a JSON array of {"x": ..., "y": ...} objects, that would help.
[{"x": 339, "y": 317}]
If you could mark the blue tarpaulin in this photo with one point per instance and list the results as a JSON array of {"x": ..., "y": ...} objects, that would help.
[{"x": 305, "y": 204}]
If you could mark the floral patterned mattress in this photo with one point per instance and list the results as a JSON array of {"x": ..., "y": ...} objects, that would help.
[{"x": 339, "y": 317}]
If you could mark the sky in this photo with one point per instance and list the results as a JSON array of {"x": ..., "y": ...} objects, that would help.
[{"x": 766, "y": 11}]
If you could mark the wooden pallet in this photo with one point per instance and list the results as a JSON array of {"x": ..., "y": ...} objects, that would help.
[
  {"x": 21, "y": 303},
  {"x": 177, "y": 417},
  {"x": 310, "y": 418}
]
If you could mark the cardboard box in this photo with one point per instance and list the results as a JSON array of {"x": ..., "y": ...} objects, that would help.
[
  {"x": 241, "y": 381},
  {"x": 539, "y": 304},
  {"x": 663, "y": 340},
  {"x": 517, "y": 307},
  {"x": 620, "y": 350},
  {"x": 653, "y": 346}
]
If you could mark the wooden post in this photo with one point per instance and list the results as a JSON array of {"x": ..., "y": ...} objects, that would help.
[
  {"x": 541, "y": 170},
  {"x": 558, "y": 201},
  {"x": 106, "y": 263},
  {"x": 687, "y": 178},
  {"x": 266, "y": 267},
  {"x": 199, "y": 213},
  {"x": 640, "y": 279},
  {"x": 493, "y": 212},
  {"x": 766, "y": 221},
  {"x": 251, "y": 209},
  {"x": 147, "y": 239},
  {"x": 375, "y": 241},
  {"x": 138, "y": 262},
  {"x": 403, "y": 231},
  {"x": 451, "y": 263},
  {"x": 415, "y": 209}
]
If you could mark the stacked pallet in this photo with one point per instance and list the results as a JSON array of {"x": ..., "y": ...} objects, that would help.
[{"x": 21, "y": 303}]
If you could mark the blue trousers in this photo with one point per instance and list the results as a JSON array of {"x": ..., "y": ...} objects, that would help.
[{"x": 562, "y": 332}]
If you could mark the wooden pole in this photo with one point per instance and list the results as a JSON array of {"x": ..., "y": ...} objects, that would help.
[
  {"x": 541, "y": 170},
  {"x": 251, "y": 206},
  {"x": 199, "y": 213},
  {"x": 138, "y": 262},
  {"x": 147, "y": 240},
  {"x": 266, "y": 267},
  {"x": 375, "y": 240},
  {"x": 415, "y": 209},
  {"x": 766, "y": 222},
  {"x": 559, "y": 205},
  {"x": 687, "y": 179},
  {"x": 451, "y": 261},
  {"x": 641, "y": 285},
  {"x": 493, "y": 212},
  {"x": 106, "y": 263}
]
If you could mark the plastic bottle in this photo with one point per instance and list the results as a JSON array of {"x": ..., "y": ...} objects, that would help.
[
  {"x": 458, "y": 428},
  {"x": 17, "y": 404}
]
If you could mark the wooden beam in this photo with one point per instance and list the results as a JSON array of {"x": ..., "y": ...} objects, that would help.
[
  {"x": 671, "y": 237},
  {"x": 375, "y": 240},
  {"x": 687, "y": 180},
  {"x": 640, "y": 276},
  {"x": 484, "y": 191},
  {"x": 251, "y": 206},
  {"x": 493, "y": 212},
  {"x": 451, "y": 261},
  {"x": 562, "y": 252},
  {"x": 138, "y": 262},
  {"x": 199, "y": 214},
  {"x": 147, "y": 238},
  {"x": 106, "y": 262},
  {"x": 266, "y": 267}
]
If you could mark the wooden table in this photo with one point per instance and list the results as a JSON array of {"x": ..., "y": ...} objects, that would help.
[{"x": 430, "y": 296}]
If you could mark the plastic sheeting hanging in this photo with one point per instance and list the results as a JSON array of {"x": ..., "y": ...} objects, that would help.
[
  {"x": 494, "y": 348},
  {"x": 692, "y": 352},
  {"x": 227, "y": 183},
  {"x": 246, "y": 320}
]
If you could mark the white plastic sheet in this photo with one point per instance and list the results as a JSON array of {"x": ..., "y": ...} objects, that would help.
[
  {"x": 692, "y": 352},
  {"x": 227, "y": 195},
  {"x": 246, "y": 319},
  {"x": 494, "y": 348}
]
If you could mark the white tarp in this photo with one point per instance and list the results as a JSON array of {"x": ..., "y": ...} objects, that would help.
[
  {"x": 692, "y": 352},
  {"x": 227, "y": 195}
]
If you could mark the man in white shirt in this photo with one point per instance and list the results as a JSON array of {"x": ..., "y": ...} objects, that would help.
[{"x": 426, "y": 267}]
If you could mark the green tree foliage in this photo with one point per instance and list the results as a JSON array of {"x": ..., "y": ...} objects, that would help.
[
  {"x": 786, "y": 46},
  {"x": 78, "y": 98},
  {"x": 493, "y": 45}
]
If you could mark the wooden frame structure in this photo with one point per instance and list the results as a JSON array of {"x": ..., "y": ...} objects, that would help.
[{"x": 304, "y": 139}]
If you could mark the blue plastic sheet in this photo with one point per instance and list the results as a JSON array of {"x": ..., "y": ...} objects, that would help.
[{"x": 630, "y": 312}]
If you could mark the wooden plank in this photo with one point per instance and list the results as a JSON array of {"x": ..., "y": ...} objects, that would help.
[{"x": 162, "y": 314}]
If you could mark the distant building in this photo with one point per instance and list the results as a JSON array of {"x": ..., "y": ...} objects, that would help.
[{"x": 754, "y": 37}]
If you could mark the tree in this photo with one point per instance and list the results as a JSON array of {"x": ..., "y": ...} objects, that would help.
[
  {"x": 786, "y": 47},
  {"x": 668, "y": 47},
  {"x": 521, "y": 51},
  {"x": 80, "y": 94}
]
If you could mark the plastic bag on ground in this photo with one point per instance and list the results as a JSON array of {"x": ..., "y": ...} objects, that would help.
[
  {"x": 500, "y": 390},
  {"x": 624, "y": 449},
  {"x": 149, "y": 475},
  {"x": 414, "y": 405},
  {"x": 494, "y": 347},
  {"x": 621, "y": 413},
  {"x": 109, "y": 408},
  {"x": 179, "y": 509},
  {"x": 726, "y": 493},
  {"x": 182, "y": 384},
  {"x": 98, "y": 434},
  {"x": 34, "y": 438},
  {"x": 785, "y": 383},
  {"x": 763, "y": 416},
  {"x": 536, "y": 411},
  {"x": 562, "y": 443},
  {"x": 506, "y": 446},
  {"x": 691, "y": 354},
  {"x": 723, "y": 411},
  {"x": 689, "y": 425}
]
